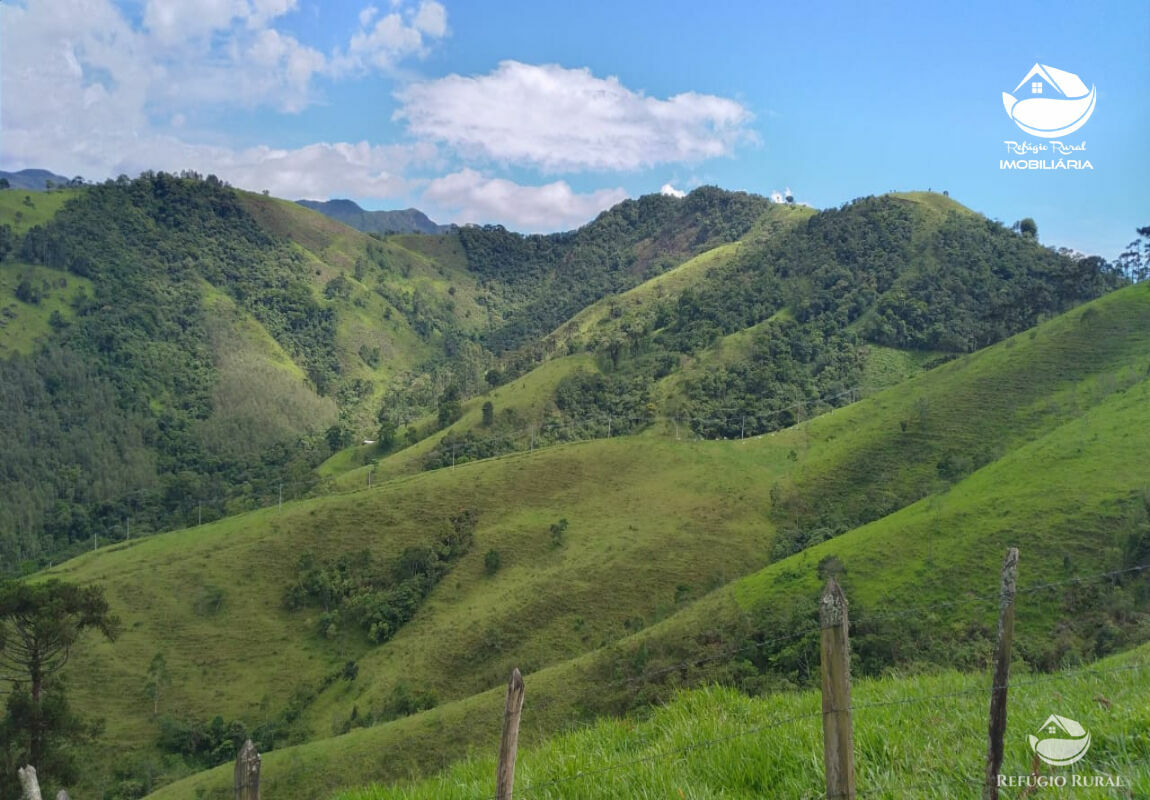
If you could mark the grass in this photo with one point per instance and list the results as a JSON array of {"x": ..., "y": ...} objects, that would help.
[
  {"x": 23, "y": 325},
  {"x": 915, "y": 736},
  {"x": 22, "y": 210},
  {"x": 528, "y": 395},
  {"x": 432, "y": 266}
]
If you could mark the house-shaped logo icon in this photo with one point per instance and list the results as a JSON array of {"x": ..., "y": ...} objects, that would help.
[
  {"x": 1061, "y": 741},
  {"x": 1050, "y": 102}
]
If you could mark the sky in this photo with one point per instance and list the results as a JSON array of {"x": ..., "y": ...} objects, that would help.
[{"x": 539, "y": 115}]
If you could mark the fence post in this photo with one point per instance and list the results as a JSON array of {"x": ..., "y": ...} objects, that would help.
[
  {"x": 505, "y": 775},
  {"x": 998, "y": 688},
  {"x": 838, "y": 740},
  {"x": 29, "y": 783},
  {"x": 248, "y": 772}
]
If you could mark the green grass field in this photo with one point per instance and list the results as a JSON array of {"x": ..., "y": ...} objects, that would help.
[
  {"x": 22, "y": 210},
  {"x": 915, "y": 736}
]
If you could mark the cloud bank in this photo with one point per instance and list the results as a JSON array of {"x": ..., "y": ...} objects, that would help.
[{"x": 563, "y": 120}]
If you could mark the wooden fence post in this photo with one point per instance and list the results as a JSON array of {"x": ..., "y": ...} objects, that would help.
[
  {"x": 29, "y": 783},
  {"x": 997, "y": 726},
  {"x": 838, "y": 740},
  {"x": 505, "y": 775},
  {"x": 248, "y": 772}
]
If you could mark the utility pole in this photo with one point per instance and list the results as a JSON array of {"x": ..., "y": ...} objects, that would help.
[
  {"x": 742, "y": 427},
  {"x": 281, "y": 496},
  {"x": 608, "y": 426},
  {"x": 128, "y": 528},
  {"x": 199, "y": 512}
]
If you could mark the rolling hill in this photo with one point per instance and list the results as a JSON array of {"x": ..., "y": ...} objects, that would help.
[
  {"x": 1031, "y": 442},
  {"x": 623, "y": 456},
  {"x": 229, "y": 341}
]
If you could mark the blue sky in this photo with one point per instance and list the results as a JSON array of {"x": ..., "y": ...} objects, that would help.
[{"x": 537, "y": 116}]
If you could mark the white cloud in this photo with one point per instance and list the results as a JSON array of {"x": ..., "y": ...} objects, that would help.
[
  {"x": 473, "y": 197},
  {"x": 172, "y": 21},
  {"x": 431, "y": 18},
  {"x": 671, "y": 191},
  {"x": 567, "y": 119},
  {"x": 367, "y": 15},
  {"x": 87, "y": 92},
  {"x": 401, "y": 34}
]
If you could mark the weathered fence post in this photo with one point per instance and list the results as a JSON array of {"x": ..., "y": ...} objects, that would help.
[
  {"x": 838, "y": 740},
  {"x": 505, "y": 775},
  {"x": 29, "y": 783},
  {"x": 248, "y": 772},
  {"x": 62, "y": 795},
  {"x": 997, "y": 726}
]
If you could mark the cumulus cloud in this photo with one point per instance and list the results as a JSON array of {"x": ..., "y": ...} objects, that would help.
[
  {"x": 474, "y": 197},
  {"x": 671, "y": 191},
  {"x": 563, "y": 119},
  {"x": 384, "y": 42},
  {"x": 87, "y": 91}
]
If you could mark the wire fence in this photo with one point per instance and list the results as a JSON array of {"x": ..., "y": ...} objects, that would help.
[
  {"x": 558, "y": 785},
  {"x": 537, "y": 787}
]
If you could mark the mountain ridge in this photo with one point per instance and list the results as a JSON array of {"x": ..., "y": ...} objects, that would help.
[
  {"x": 408, "y": 220},
  {"x": 33, "y": 179}
]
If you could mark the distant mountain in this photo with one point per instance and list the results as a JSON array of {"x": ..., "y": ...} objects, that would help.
[
  {"x": 33, "y": 179},
  {"x": 410, "y": 220}
]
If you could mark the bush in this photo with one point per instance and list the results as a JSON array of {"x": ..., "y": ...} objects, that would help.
[{"x": 492, "y": 561}]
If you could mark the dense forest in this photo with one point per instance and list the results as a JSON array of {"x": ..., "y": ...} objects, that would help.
[
  {"x": 121, "y": 398},
  {"x": 548, "y": 278}
]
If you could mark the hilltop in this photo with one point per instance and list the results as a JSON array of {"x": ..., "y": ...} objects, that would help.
[
  {"x": 36, "y": 180},
  {"x": 410, "y": 220}
]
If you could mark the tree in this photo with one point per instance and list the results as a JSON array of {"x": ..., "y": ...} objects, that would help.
[
  {"x": 4, "y": 183},
  {"x": 1135, "y": 262},
  {"x": 159, "y": 679},
  {"x": 338, "y": 437},
  {"x": 387, "y": 433},
  {"x": 39, "y": 624},
  {"x": 450, "y": 408},
  {"x": 1028, "y": 228},
  {"x": 488, "y": 414}
]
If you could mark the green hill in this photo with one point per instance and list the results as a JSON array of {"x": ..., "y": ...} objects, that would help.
[
  {"x": 228, "y": 342},
  {"x": 211, "y": 337},
  {"x": 641, "y": 578},
  {"x": 803, "y": 313}
]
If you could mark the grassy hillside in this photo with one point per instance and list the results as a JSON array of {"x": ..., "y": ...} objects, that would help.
[
  {"x": 22, "y": 210},
  {"x": 657, "y": 530},
  {"x": 915, "y": 736}
]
